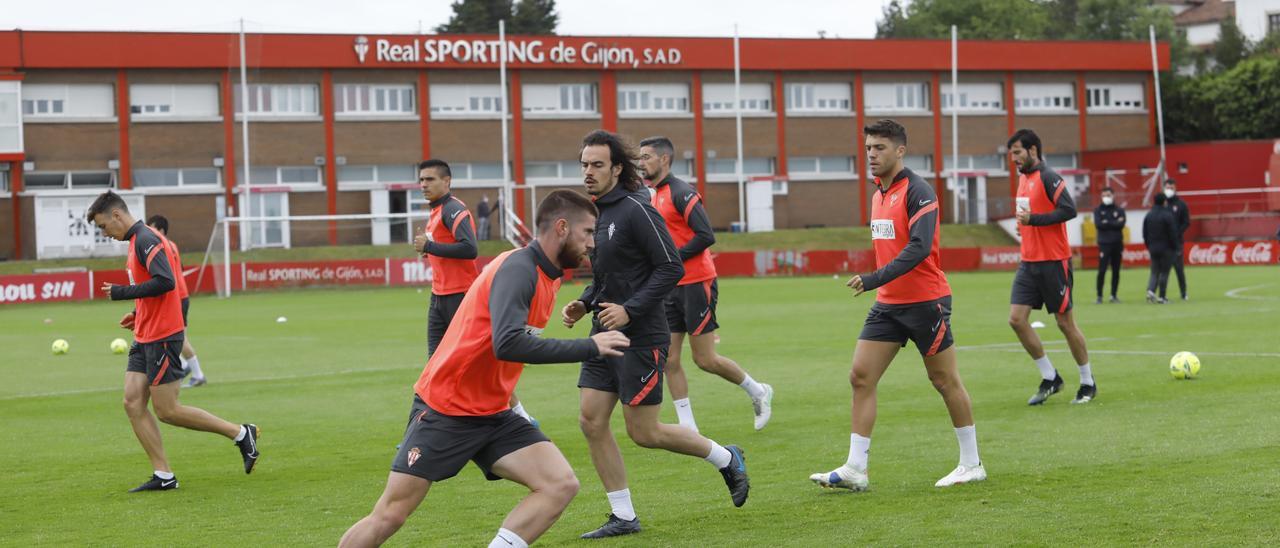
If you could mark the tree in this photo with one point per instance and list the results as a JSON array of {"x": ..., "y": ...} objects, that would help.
[
  {"x": 975, "y": 19},
  {"x": 1232, "y": 45},
  {"x": 482, "y": 16}
]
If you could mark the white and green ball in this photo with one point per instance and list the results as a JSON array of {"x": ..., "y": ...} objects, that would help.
[{"x": 1184, "y": 365}]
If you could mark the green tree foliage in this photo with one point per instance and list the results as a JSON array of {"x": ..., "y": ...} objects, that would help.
[
  {"x": 976, "y": 19},
  {"x": 482, "y": 16},
  {"x": 1232, "y": 45}
]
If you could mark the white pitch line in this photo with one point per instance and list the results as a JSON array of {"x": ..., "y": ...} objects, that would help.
[
  {"x": 1019, "y": 345},
  {"x": 1157, "y": 353},
  {"x": 1236, "y": 293}
]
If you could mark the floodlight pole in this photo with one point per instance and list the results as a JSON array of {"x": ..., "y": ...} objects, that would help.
[
  {"x": 508, "y": 195},
  {"x": 737, "y": 114},
  {"x": 955, "y": 132},
  {"x": 244, "y": 136}
]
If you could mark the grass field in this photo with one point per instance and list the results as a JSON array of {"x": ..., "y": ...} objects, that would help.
[{"x": 1151, "y": 461}]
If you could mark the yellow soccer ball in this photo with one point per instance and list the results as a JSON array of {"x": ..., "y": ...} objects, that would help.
[
  {"x": 119, "y": 346},
  {"x": 1184, "y": 365},
  {"x": 60, "y": 347}
]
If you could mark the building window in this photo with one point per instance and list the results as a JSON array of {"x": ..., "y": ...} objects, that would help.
[
  {"x": 1060, "y": 161},
  {"x": 1044, "y": 97},
  {"x": 903, "y": 97},
  {"x": 46, "y": 180},
  {"x": 177, "y": 177},
  {"x": 718, "y": 98},
  {"x": 728, "y": 166},
  {"x": 1273, "y": 22},
  {"x": 820, "y": 165},
  {"x": 466, "y": 99},
  {"x": 810, "y": 97},
  {"x": 383, "y": 174},
  {"x": 373, "y": 99},
  {"x": 280, "y": 100},
  {"x": 976, "y": 97},
  {"x": 1114, "y": 97},
  {"x": 4, "y": 182},
  {"x": 560, "y": 99},
  {"x": 480, "y": 171},
  {"x": 919, "y": 163},
  {"x": 10, "y": 117},
  {"x": 284, "y": 175},
  {"x": 653, "y": 98},
  {"x": 173, "y": 100},
  {"x": 68, "y": 101},
  {"x": 553, "y": 170},
  {"x": 980, "y": 162}
]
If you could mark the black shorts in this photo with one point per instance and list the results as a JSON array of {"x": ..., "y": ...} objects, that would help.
[
  {"x": 436, "y": 446},
  {"x": 186, "y": 303},
  {"x": 928, "y": 324},
  {"x": 161, "y": 361},
  {"x": 1044, "y": 283},
  {"x": 692, "y": 308},
  {"x": 443, "y": 308},
  {"x": 635, "y": 376}
]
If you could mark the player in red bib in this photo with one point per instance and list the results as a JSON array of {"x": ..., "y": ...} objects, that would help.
[
  {"x": 691, "y": 306},
  {"x": 190, "y": 362},
  {"x": 153, "y": 370},
  {"x": 468, "y": 382},
  {"x": 1044, "y": 277},
  {"x": 913, "y": 303}
]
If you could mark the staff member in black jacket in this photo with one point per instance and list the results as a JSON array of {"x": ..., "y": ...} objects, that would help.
[
  {"x": 1108, "y": 218},
  {"x": 1182, "y": 217},
  {"x": 1160, "y": 232},
  {"x": 634, "y": 266}
]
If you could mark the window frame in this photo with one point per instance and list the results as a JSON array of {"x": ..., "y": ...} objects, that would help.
[
  {"x": 654, "y": 90},
  {"x": 731, "y": 176},
  {"x": 174, "y": 113},
  {"x": 898, "y": 91},
  {"x": 1030, "y": 94},
  {"x": 816, "y": 94},
  {"x": 1104, "y": 91},
  {"x": 966, "y": 89},
  {"x": 65, "y": 114},
  {"x": 820, "y": 173},
  {"x": 586, "y": 94},
  {"x": 353, "y": 92},
  {"x": 723, "y": 108},
  {"x": 182, "y": 185},
  {"x": 469, "y": 92},
  {"x": 258, "y": 98}
]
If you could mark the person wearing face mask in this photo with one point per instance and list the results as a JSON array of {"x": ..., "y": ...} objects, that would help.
[
  {"x": 1160, "y": 233},
  {"x": 1182, "y": 216},
  {"x": 1108, "y": 218}
]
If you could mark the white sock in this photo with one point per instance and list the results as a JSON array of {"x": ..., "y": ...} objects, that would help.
[
  {"x": 164, "y": 475},
  {"x": 719, "y": 457},
  {"x": 519, "y": 410},
  {"x": 968, "y": 438},
  {"x": 1047, "y": 372},
  {"x": 240, "y": 436},
  {"x": 1086, "y": 375},
  {"x": 684, "y": 412},
  {"x": 752, "y": 387},
  {"x": 620, "y": 503},
  {"x": 858, "y": 449},
  {"x": 194, "y": 365},
  {"x": 507, "y": 539}
]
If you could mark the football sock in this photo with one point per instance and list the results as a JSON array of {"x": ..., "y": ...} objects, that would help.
[
  {"x": 752, "y": 387},
  {"x": 193, "y": 364},
  {"x": 620, "y": 504},
  {"x": 684, "y": 412},
  {"x": 719, "y": 457},
  {"x": 858, "y": 449},
  {"x": 243, "y": 430},
  {"x": 164, "y": 475},
  {"x": 968, "y": 438},
  {"x": 1047, "y": 372},
  {"x": 507, "y": 539},
  {"x": 1086, "y": 375}
]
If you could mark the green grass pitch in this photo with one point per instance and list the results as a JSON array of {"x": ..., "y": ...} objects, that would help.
[{"x": 1152, "y": 460}]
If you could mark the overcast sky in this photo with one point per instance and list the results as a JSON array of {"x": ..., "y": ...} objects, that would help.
[{"x": 760, "y": 18}]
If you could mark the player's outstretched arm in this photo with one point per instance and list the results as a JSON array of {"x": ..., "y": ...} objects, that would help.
[{"x": 513, "y": 288}]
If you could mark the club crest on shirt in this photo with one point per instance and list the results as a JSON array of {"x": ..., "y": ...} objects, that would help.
[
  {"x": 893, "y": 199},
  {"x": 612, "y": 228},
  {"x": 882, "y": 229},
  {"x": 413, "y": 455}
]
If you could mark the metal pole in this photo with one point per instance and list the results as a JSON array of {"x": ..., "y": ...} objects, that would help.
[
  {"x": 507, "y": 194},
  {"x": 737, "y": 113},
  {"x": 1155, "y": 73},
  {"x": 226, "y": 255},
  {"x": 244, "y": 135},
  {"x": 955, "y": 134}
]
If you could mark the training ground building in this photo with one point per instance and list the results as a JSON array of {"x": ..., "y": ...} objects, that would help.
[{"x": 337, "y": 122}]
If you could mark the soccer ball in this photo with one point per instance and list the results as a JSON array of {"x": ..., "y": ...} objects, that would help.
[
  {"x": 119, "y": 346},
  {"x": 60, "y": 347},
  {"x": 1184, "y": 365}
]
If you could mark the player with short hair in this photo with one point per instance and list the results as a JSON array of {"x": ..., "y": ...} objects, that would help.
[
  {"x": 691, "y": 306},
  {"x": 913, "y": 303},
  {"x": 190, "y": 362},
  {"x": 468, "y": 382},
  {"x": 152, "y": 373},
  {"x": 1044, "y": 277},
  {"x": 634, "y": 266},
  {"x": 449, "y": 244}
]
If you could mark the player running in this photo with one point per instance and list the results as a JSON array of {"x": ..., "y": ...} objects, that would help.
[
  {"x": 190, "y": 363},
  {"x": 1044, "y": 277},
  {"x": 634, "y": 267},
  {"x": 152, "y": 373},
  {"x": 913, "y": 302},
  {"x": 468, "y": 381},
  {"x": 691, "y": 307}
]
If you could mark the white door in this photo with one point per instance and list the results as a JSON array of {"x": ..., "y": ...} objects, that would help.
[
  {"x": 380, "y": 204},
  {"x": 265, "y": 233},
  {"x": 976, "y": 188},
  {"x": 759, "y": 206}
]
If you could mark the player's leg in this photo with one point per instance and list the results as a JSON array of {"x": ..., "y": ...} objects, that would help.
[
  {"x": 1104, "y": 261},
  {"x": 1178, "y": 267},
  {"x": 1080, "y": 352},
  {"x": 402, "y": 495},
  {"x": 644, "y": 428},
  {"x": 136, "y": 395},
  {"x": 164, "y": 399},
  {"x": 1166, "y": 263},
  {"x": 707, "y": 359},
  {"x": 596, "y": 407},
  {"x": 677, "y": 381},
  {"x": 192, "y": 364},
  {"x": 1153, "y": 279},
  {"x": 551, "y": 482},
  {"x": 870, "y": 360},
  {"x": 436, "y": 324},
  {"x": 1117, "y": 259},
  {"x": 945, "y": 377}
]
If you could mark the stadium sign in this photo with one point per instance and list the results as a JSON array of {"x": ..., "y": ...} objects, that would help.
[{"x": 530, "y": 51}]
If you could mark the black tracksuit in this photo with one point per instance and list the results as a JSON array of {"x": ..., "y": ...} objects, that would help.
[
  {"x": 1109, "y": 220},
  {"x": 1160, "y": 232},
  {"x": 1182, "y": 215}
]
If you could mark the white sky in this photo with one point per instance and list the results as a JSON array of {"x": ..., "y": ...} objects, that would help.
[{"x": 755, "y": 18}]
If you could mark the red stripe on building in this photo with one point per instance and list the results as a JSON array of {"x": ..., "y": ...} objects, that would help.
[
  {"x": 330, "y": 159},
  {"x": 609, "y": 100},
  {"x": 699, "y": 163},
  {"x": 1151, "y": 109},
  {"x": 124, "y": 178},
  {"x": 424, "y": 113},
  {"x": 780, "y": 100},
  {"x": 1081, "y": 101},
  {"x": 859, "y": 156}
]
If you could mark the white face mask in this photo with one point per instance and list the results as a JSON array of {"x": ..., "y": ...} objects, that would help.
[
  {"x": 1107, "y": 200},
  {"x": 1169, "y": 192}
]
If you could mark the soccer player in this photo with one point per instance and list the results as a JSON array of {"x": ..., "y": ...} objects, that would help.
[
  {"x": 152, "y": 372},
  {"x": 691, "y": 307},
  {"x": 449, "y": 244},
  {"x": 1044, "y": 276},
  {"x": 634, "y": 267},
  {"x": 1108, "y": 218},
  {"x": 468, "y": 381},
  {"x": 1182, "y": 214},
  {"x": 913, "y": 303},
  {"x": 190, "y": 362}
]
